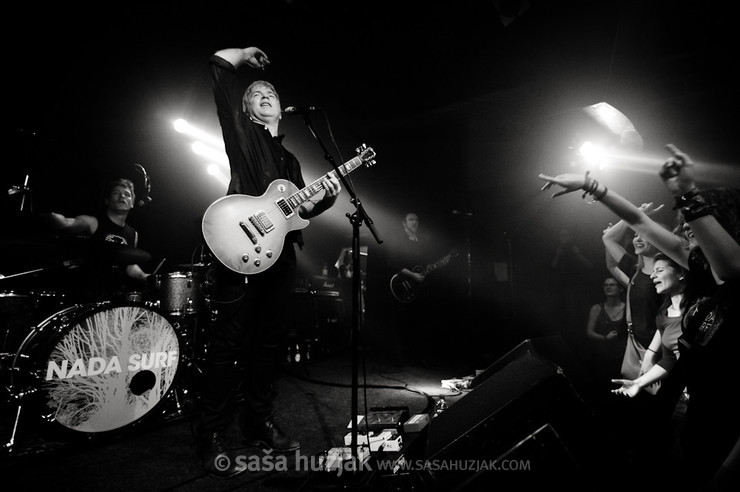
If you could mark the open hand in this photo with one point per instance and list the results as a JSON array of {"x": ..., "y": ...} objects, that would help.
[
  {"x": 570, "y": 183},
  {"x": 628, "y": 387},
  {"x": 649, "y": 208}
]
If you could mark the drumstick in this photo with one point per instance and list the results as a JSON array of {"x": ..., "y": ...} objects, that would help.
[{"x": 159, "y": 266}]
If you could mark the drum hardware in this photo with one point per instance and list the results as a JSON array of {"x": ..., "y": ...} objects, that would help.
[{"x": 67, "y": 264}]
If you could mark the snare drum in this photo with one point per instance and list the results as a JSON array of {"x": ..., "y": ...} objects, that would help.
[
  {"x": 98, "y": 367},
  {"x": 179, "y": 293}
]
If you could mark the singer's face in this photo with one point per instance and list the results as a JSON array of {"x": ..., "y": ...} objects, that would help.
[{"x": 263, "y": 104}]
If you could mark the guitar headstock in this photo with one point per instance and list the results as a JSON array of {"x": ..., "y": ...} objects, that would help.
[{"x": 366, "y": 154}]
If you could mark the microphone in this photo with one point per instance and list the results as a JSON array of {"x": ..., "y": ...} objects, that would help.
[{"x": 301, "y": 110}]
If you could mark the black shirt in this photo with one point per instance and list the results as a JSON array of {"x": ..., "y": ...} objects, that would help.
[{"x": 256, "y": 157}]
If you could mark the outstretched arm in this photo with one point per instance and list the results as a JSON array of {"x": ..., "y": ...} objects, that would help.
[
  {"x": 632, "y": 387},
  {"x": 84, "y": 225},
  {"x": 637, "y": 219}
]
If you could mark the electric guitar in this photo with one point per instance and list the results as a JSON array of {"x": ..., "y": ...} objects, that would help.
[
  {"x": 247, "y": 233},
  {"x": 405, "y": 289}
]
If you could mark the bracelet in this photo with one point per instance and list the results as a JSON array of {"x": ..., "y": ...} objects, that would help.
[
  {"x": 601, "y": 195},
  {"x": 691, "y": 214},
  {"x": 589, "y": 185},
  {"x": 692, "y": 206},
  {"x": 687, "y": 198}
]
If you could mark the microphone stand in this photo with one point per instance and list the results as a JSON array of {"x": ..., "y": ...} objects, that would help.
[{"x": 356, "y": 219}]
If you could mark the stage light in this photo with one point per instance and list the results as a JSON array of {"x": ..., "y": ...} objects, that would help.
[
  {"x": 219, "y": 156},
  {"x": 593, "y": 154},
  {"x": 216, "y": 171},
  {"x": 182, "y": 126},
  {"x": 616, "y": 123}
]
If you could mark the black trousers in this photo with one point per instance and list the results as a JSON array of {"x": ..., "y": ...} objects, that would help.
[{"x": 245, "y": 342}]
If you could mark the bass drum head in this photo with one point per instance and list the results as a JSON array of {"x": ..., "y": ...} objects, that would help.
[{"x": 101, "y": 367}]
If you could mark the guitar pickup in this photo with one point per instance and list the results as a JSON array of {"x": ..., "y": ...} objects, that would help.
[
  {"x": 284, "y": 207},
  {"x": 261, "y": 222},
  {"x": 249, "y": 233}
]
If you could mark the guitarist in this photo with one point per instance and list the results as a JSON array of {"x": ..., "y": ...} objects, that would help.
[
  {"x": 409, "y": 335},
  {"x": 252, "y": 312},
  {"x": 411, "y": 252}
]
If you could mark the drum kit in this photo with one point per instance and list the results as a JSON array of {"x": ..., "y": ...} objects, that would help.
[{"x": 94, "y": 368}]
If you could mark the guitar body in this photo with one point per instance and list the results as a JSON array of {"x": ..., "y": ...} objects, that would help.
[
  {"x": 405, "y": 289},
  {"x": 247, "y": 233}
]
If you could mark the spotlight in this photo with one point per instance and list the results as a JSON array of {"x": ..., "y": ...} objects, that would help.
[{"x": 616, "y": 123}]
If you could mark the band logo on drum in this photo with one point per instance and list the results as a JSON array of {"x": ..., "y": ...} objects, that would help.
[{"x": 99, "y": 365}]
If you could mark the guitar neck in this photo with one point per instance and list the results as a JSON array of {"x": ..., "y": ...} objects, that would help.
[
  {"x": 304, "y": 194},
  {"x": 437, "y": 264}
]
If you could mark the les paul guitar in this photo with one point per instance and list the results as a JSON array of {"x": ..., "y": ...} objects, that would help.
[
  {"x": 247, "y": 233},
  {"x": 405, "y": 289}
]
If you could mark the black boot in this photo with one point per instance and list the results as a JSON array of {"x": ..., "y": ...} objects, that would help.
[
  {"x": 217, "y": 459},
  {"x": 266, "y": 434}
]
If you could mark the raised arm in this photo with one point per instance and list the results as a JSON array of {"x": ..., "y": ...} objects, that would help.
[
  {"x": 636, "y": 218},
  {"x": 613, "y": 267},
  {"x": 612, "y": 239},
  {"x": 718, "y": 245},
  {"x": 252, "y": 56}
]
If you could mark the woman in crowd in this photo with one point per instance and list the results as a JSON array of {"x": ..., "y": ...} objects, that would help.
[
  {"x": 711, "y": 323},
  {"x": 606, "y": 329}
]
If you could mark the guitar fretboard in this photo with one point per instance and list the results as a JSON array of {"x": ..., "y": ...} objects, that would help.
[{"x": 296, "y": 199}]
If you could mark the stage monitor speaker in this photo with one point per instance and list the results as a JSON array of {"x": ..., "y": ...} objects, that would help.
[
  {"x": 552, "y": 348},
  {"x": 523, "y": 394}
]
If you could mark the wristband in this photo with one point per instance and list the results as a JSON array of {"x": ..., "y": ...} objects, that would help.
[{"x": 692, "y": 206}]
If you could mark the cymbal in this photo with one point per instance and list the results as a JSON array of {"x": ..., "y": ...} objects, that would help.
[
  {"x": 56, "y": 248},
  {"x": 120, "y": 254}
]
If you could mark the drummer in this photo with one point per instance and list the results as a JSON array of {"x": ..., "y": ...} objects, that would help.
[{"x": 108, "y": 272}]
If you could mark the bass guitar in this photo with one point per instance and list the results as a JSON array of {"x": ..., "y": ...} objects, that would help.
[
  {"x": 247, "y": 233},
  {"x": 405, "y": 289}
]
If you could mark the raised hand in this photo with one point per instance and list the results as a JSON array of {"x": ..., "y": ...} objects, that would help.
[
  {"x": 570, "y": 183},
  {"x": 256, "y": 58},
  {"x": 649, "y": 208},
  {"x": 677, "y": 172}
]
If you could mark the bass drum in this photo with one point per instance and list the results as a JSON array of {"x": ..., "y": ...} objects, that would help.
[{"x": 99, "y": 367}]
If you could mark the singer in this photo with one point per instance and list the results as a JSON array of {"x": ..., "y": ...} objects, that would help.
[{"x": 250, "y": 331}]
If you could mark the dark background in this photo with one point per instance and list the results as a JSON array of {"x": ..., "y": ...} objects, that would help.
[{"x": 464, "y": 103}]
